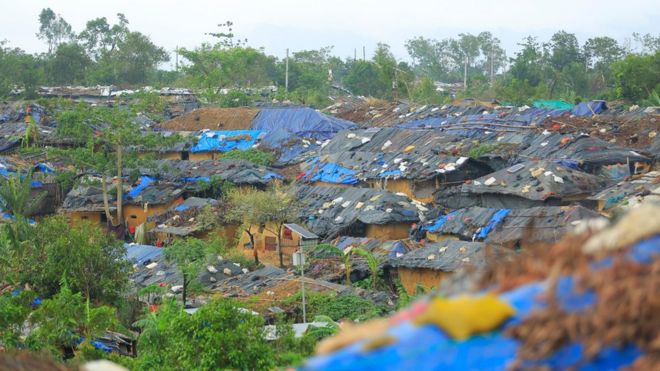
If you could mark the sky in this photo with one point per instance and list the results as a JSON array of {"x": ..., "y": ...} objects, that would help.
[{"x": 348, "y": 25}]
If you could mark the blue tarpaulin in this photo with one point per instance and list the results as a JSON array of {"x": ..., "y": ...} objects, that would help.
[
  {"x": 429, "y": 348},
  {"x": 142, "y": 254},
  {"x": 333, "y": 173},
  {"x": 438, "y": 223},
  {"x": 303, "y": 122},
  {"x": 226, "y": 140},
  {"x": 144, "y": 183},
  {"x": 494, "y": 221},
  {"x": 589, "y": 109}
]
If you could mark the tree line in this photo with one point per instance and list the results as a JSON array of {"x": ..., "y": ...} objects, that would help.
[{"x": 559, "y": 68}]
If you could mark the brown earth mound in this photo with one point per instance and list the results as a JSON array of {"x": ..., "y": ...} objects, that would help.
[
  {"x": 637, "y": 133},
  {"x": 212, "y": 119}
]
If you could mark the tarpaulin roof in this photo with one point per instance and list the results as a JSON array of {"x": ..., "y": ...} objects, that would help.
[
  {"x": 589, "y": 152},
  {"x": 468, "y": 224},
  {"x": 330, "y": 210},
  {"x": 226, "y": 140},
  {"x": 547, "y": 224},
  {"x": 235, "y": 171},
  {"x": 446, "y": 256},
  {"x": 303, "y": 122},
  {"x": 553, "y": 104},
  {"x": 537, "y": 180},
  {"x": 590, "y": 108}
]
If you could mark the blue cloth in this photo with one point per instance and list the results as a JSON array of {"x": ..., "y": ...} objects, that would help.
[
  {"x": 101, "y": 346},
  {"x": 438, "y": 223},
  {"x": 224, "y": 141},
  {"x": 571, "y": 164},
  {"x": 303, "y": 122},
  {"x": 494, "y": 221},
  {"x": 333, "y": 173},
  {"x": 181, "y": 207},
  {"x": 145, "y": 181}
]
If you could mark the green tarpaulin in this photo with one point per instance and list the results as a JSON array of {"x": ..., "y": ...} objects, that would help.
[{"x": 553, "y": 104}]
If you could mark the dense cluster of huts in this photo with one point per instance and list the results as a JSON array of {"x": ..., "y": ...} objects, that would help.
[{"x": 430, "y": 188}]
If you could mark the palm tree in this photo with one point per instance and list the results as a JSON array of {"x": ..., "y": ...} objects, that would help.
[
  {"x": 346, "y": 255},
  {"x": 16, "y": 197}
]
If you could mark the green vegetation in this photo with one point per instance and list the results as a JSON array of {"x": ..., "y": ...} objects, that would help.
[
  {"x": 253, "y": 155},
  {"x": 482, "y": 149},
  {"x": 337, "y": 306}
]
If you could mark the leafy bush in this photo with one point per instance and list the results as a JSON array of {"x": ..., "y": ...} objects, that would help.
[
  {"x": 253, "y": 155},
  {"x": 481, "y": 150},
  {"x": 337, "y": 307}
]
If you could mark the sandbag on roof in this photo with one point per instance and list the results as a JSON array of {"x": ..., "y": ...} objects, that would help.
[
  {"x": 303, "y": 122},
  {"x": 212, "y": 119}
]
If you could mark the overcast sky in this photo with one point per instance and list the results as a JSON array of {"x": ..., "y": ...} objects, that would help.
[{"x": 345, "y": 24}]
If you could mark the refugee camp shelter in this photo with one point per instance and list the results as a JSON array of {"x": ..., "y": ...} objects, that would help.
[
  {"x": 195, "y": 217},
  {"x": 428, "y": 265},
  {"x": 143, "y": 199},
  {"x": 292, "y": 236},
  {"x": 358, "y": 212},
  {"x": 414, "y": 162},
  {"x": 526, "y": 184},
  {"x": 539, "y": 224},
  {"x": 474, "y": 223},
  {"x": 623, "y": 193},
  {"x": 237, "y": 172}
]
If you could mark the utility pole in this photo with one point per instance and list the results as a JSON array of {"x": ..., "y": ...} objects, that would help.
[
  {"x": 176, "y": 58},
  {"x": 354, "y": 54},
  {"x": 491, "y": 65},
  {"x": 465, "y": 73},
  {"x": 286, "y": 73},
  {"x": 364, "y": 53}
]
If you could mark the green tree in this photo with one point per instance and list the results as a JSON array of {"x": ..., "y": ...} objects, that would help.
[
  {"x": 104, "y": 151},
  {"x": 269, "y": 209},
  {"x": 190, "y": 257},
  {"x": 637, "y": 76},
  {"x": 68, "y": 65},
  {"x": 95, "y": 263},
  {"x": 218, "y": 336},
  {"x": 53, "y": 29},
  {"x": 347, "y": 256},
  {"x": 20, "y": 71},
  {"x": 430, "y": 58},
  {"x": 61, "y": 321},
  {"x": 363, "y": 79}
]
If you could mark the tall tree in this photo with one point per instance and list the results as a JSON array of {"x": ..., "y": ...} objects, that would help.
[
  {"x": 53, "y": 29},
  {"x": 190, "y": 256}
]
